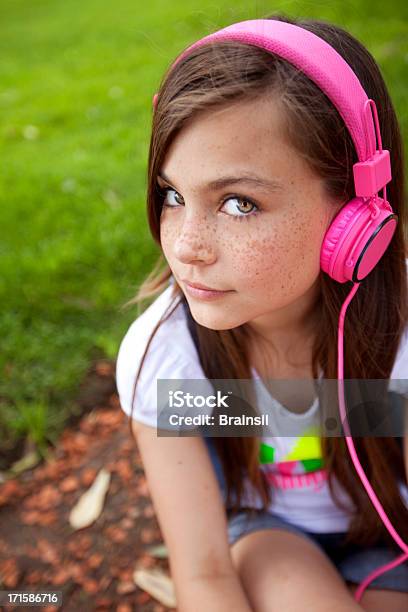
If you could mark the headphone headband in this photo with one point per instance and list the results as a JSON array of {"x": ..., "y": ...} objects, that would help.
[{"x": 333, "y": 75}]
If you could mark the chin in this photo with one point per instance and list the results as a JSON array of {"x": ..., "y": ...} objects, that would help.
[{"x": 216, "y": 322}]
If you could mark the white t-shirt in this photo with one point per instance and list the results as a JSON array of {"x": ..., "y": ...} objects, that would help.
[{"x": 293, "y": 465}]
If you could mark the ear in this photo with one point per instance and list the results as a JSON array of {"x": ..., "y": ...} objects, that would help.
[{"x": 154, "y": 101}]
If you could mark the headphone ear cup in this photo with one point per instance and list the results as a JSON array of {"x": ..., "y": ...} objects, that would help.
[
  {"x": 332, "y": 238},
  {"x": 356, "y": 240}
]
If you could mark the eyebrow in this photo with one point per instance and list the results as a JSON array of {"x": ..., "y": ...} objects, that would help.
[{"x": 224, "y": 181}]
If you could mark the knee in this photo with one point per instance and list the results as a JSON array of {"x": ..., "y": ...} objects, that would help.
[{"x": 283, "y": 571}]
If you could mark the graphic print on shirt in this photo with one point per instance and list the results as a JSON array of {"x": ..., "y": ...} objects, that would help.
[{"x": 290, "y": 463}]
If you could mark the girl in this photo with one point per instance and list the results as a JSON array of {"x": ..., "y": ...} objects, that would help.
[{"x": 249, "y": 162}]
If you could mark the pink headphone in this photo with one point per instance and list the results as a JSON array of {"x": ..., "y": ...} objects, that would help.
[{"x": 361, "y": 232}]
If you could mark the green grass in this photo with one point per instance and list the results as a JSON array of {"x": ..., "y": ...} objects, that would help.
[{"x": 77, "y": 79}]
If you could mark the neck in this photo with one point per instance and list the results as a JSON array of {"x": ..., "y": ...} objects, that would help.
[{"x": 286, "y": 334}]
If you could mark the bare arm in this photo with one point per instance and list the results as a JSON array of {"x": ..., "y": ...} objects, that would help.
[{"x": 190, "y": 512}]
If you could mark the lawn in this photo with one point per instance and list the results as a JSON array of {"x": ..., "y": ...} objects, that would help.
[{"x": 76, "y": 83}]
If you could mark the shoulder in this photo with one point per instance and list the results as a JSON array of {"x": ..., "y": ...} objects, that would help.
[
  {"x": 399, "y": 374},
  {"x": 171, "y": 354}
]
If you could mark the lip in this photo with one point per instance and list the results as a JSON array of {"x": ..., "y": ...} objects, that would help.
[
  {"x": 200, "y": 286},
  {"x": 205, "y": 294}
]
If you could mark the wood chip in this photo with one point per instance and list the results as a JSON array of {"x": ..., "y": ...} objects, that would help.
[
  {"x": 160, "y": 551},
  {"x": 26, "y": 462},
  {"x": 158, "y": 584},
  {"x": 90, "y": 504}
]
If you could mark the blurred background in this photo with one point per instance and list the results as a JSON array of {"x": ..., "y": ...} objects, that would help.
[{"x": 76, "y": 85}]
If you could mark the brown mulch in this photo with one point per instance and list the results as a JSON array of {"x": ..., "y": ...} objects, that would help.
[{"x": 93, "y": 567}]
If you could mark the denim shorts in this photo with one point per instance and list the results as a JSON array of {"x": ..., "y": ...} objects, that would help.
[{"x": 353, "y": 562}]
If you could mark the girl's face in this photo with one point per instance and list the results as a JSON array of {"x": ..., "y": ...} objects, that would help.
[{"x": 259, "y": 238}]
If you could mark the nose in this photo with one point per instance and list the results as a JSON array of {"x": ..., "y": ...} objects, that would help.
[{"x": 195, "y": 241}]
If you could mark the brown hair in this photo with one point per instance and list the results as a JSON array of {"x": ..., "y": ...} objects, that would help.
[{"x": 213, "y": 76}]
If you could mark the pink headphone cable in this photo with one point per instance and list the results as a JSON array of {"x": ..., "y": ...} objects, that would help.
[{"x": 349, "y": 440}]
